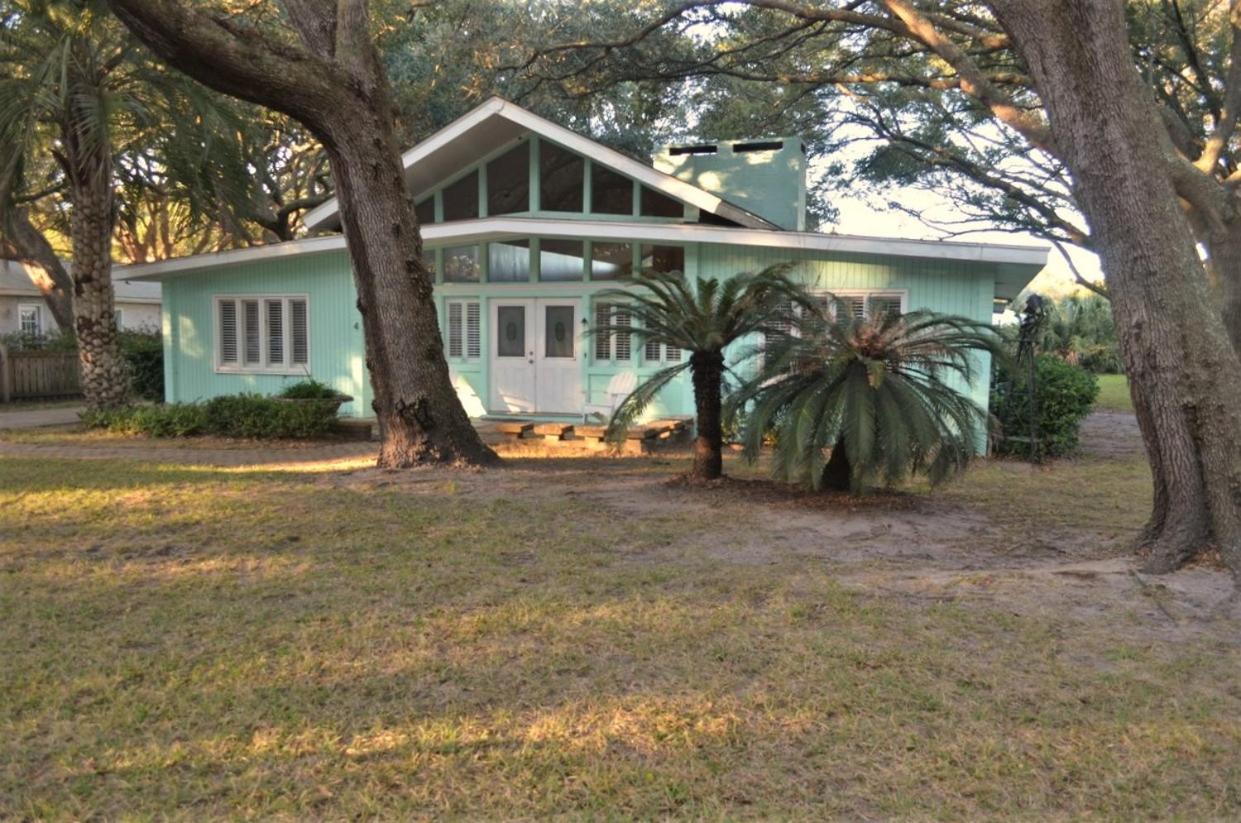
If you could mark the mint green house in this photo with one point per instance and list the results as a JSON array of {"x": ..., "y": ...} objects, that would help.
[{"x": 525, "y": 222}]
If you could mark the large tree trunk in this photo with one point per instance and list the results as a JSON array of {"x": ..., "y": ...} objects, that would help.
[
  {"x": 336, "y": 86},
  {"x": 88, "y": 165},
  {"x": 1180, "y": 362},
  {"x": 707, "y": 369}
]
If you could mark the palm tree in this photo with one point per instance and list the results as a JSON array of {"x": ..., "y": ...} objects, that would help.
[
  {"x": 77, "y": 88},
  {"x": 874, "y": 393},
  {"x": 700, "y": 320}
]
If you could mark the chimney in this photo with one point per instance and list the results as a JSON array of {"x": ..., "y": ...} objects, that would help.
[{"x": 766, "y": 177}]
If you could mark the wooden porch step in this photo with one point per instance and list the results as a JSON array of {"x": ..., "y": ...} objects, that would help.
[
  {"x": 555, "y": 431},
  {"x": 515, "y": 428}
]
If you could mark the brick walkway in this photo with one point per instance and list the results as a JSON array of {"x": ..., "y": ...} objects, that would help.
[{"x": 274, "y": 458}]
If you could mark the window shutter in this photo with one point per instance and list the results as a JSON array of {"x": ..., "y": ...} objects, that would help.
[
  {"x": 603, "y": 342},
  {"x": 228, "y": 331},
  {"x": 623, "y": 350},
  {"x": 250, "y": 315},
  {"x": 672, "y": 354},
  {"x": 275, "y": 331},
  {"x": 455, "y": 347},
  {"x": 473, "y": 330},
  {"x": 650, "y": 352},
  {"x": 300, "y": 338}
]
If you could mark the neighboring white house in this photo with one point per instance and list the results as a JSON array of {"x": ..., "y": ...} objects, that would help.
[{"x": 22, "y": 308}]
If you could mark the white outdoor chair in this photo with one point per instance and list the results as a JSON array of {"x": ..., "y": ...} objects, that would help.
[{"x": 619, "y": 387}]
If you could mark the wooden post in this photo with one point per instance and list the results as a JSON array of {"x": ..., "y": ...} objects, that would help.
[{"x": 6, "y": 369}]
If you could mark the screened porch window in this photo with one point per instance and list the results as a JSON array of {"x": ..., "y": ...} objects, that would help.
[
  {"x": 610, "y": 192},
  {"x": 262, "y": 333},
  {"x": 461, "y": 198},
  {"x": 561, "y": 177},
  {"x": 508, "y": 182}
]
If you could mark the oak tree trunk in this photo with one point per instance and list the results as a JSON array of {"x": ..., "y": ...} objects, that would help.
[
  {"x": 333, "y": 82},
  {"x": 1182, "y": 367},
  {"x": 707, "y": 370},
  {"x": 27, "y": 244}
]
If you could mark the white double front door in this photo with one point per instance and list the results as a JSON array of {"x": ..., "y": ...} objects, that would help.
[{"x": 535, "y": 345}]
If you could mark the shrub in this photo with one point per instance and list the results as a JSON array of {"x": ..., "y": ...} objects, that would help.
[
  {"x": 144, "y": 352},
  {"x": 238, "y": 415},
  {"x": 309, "y": 389},
  {"x": 1066, "y": 394}
]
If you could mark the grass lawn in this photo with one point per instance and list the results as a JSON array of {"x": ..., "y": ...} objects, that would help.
[
  {"x": 579, "y": 638},
  {"x": 1114, "y": 393}
]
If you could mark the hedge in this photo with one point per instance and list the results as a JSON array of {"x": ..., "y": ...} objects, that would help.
[
  {"x": 1066, "y": 394},
  {"x": 239, "y": 415}
]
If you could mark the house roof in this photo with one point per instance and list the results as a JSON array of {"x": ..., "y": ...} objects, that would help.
[
  {"x": 21, "y": 280},
  {"x": 1014, "y": 265},
  {"x": 497, "y": 122}
]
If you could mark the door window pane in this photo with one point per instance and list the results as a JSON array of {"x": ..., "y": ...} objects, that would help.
[
  {"x": 461, "y": 198},
  {"x": 508, "y": 182},
  {"x": 508, "y": 262},
  {"x": 561, "y": 259},
  {"x": 559, "y": 331},
  {"x": 511, "y": 337},
  {"x": 655, "y": 204},
  {"x": 561, "y": 175},
  {"x": 610, "y": 193},
  {"x": 663, "y": 258},
  {"x": 610, "y": 261},
  {"x": 461, "y": 264}
]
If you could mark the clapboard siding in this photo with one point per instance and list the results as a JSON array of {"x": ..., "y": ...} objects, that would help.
[{"x": 336, "y": 350}]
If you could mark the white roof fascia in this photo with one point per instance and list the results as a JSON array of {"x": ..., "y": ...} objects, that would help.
[
  {"x": 498, "y": 228},
  {"x": 597, "y": 152}
]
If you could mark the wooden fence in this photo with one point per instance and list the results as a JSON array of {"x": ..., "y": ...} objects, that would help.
[{"x": 28, "y": 375}]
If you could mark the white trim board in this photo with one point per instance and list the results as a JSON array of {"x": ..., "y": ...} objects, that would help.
[
  {"x": 325, "y": 215},
  {"x": 499, "y": 228}
]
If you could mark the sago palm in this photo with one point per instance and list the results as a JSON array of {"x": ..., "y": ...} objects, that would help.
[
  {"x": 851, "y": 401},
  {"x": 700, "y": 319}
]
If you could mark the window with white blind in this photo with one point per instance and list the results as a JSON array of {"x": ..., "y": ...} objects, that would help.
[
  {"x": 655, "y": 352},
  {"x": 618, "y": 345},
  {"x": 857, "y": 304},
  {"x": 262, "y": 333},
  {"x": 462, "y": 328}
]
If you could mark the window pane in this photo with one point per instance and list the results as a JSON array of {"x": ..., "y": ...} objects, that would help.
[
  {"x": 617, "y": 345},
  {"x": 559, "y": 331},
  {"x": 561, "y": 259},
  {"x": 461, "y": 198},
  {"x": 611, "y": 193},
  {"x": 31, "y": 320},
  {"x": 511, "y": 340},
  {"x": 508, "y": 262},
  {"x": 655, "y": 204},
  {"x": 508, "y": 181},
  {"x": 611, "y": 261},
  {"x": 561, "y": 175},
  {"x": 461, "y": 264},
  {"x": 881, "y": 305},
  {"x": 425, "y": 211},
  {"x": 275, "y": 331},
  {"x": 228, "y": 331},
  {"x": 300, "y": 333},
  {"x": 663, "y": 258},
  {"x": 250, "y": 310}
]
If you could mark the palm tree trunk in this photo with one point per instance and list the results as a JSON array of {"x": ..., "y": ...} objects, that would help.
[
  {"x": 707, "y": 369},
  {"x": 88, "y": 165}
]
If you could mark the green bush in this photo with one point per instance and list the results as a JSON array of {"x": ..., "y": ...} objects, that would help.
[
  {"x": 1066, "y": 394},
  {"x": 144, "y": 352},
  {"x": 309, "y": 389},
  {"x": 238, "y": 415}
]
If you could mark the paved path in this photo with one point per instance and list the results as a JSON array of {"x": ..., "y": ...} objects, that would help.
[{"x": 37, "y": 418}]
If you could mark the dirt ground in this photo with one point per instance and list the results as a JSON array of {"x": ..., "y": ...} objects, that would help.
[{"x": 942, "y": 547}]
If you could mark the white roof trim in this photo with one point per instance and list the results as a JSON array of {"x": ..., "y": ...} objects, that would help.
[
  {"x": 496, "y": 228},
  {"x": 597, "y": 152}
]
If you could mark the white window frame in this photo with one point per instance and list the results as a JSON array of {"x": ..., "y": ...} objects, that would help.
[
  {"x": 464, "y": 303},
  {"x": 37, "y": 310},
  {"x": 263, "y": 366}
]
